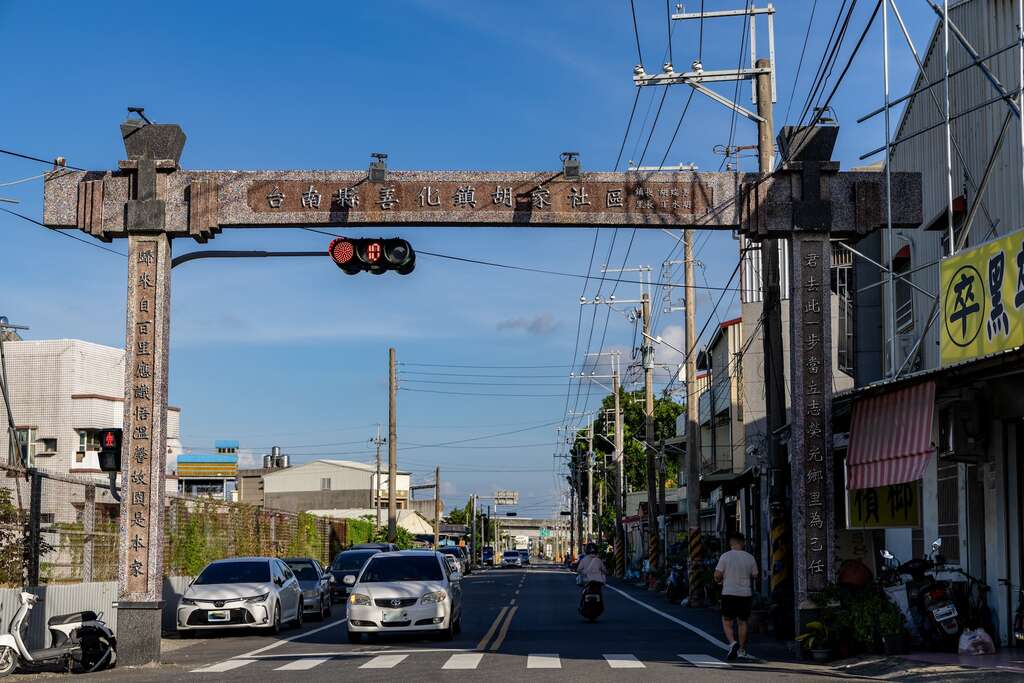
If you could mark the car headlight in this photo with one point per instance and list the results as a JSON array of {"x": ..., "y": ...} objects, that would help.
[
  {"x": 359, "y": 599},
  {"x": 433, "y": 598},
  {"x": 257, "y": 598},
  {"x": 188, "y": 601}
]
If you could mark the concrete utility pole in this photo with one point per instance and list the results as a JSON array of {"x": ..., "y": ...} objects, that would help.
[
  {"x": 775, "y": 388},
  {"x": 392, "y": 448},
  {"x": 590, "y": 482},
  {"x": 620, "y": 489},
  {"x": 376, "y": 485},
  {"x": 692, "y": 428},
  {"x": 472, "y": 532},
  {"x": 654, "y": 544},
  {"x": 437, "y": 505}
]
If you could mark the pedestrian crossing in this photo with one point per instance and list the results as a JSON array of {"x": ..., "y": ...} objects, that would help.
[{"x": 453, "y": 660}]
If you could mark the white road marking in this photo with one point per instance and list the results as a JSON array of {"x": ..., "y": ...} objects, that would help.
[
  {"x": 302, "y": 664},
  {"x": 624, "y": 662},
  {"x": 704, "y": 660},
  {"x": 366, "y": 653},
  {"x": 220, "y": 667},
  {"x": 282, "y": 641},
  {"x": 384, "y": 662},
  {"x": 464, "y": 661},
  {"x": 700, "y": 632},
  {"x": 543, "y": 662}
]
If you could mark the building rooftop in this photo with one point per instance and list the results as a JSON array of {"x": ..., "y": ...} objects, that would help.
[
  {"x": 207, "y": 457},
  {"x": 226, "y": 443}
]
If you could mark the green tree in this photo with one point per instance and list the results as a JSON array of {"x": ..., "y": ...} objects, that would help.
[{"x": 462, "y": 515}]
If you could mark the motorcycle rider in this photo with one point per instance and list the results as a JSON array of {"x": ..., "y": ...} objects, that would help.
[{"x": 593, "y": 569}]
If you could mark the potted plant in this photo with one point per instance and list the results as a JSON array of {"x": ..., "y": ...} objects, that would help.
[
  {"x": 817, "y": 641},
  {"x": 890, "y": 624}
]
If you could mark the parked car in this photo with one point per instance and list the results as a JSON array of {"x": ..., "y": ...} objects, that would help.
[
  {"x": 260, "y": 592},
  {"x": 459, "y": 554},
  {"x": 383, "y": 547},
  {"x": 315, "y": 583},
  {"x": 411, "y": 590},
  {"x": 511, "y": 558},
  {"x": 348, "y": 563},
  {"x": 487, "y": 556},
  {"x": 524, "y": 556},
  {"x": 467, "y": 561}
]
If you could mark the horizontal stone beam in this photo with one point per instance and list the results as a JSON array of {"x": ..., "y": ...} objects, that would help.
[{"x": 201, "y": 203}]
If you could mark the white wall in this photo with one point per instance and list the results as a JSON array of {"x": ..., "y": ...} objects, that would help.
[{"x": 307, "y": 478}]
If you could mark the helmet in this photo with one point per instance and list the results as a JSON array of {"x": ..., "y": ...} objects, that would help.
[{"x": 591, "y": 549}]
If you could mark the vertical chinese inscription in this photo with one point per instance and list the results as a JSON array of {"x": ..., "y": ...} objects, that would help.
[
  {"x": 812, "y": 399},
  {"x": 140, "y": 415}
]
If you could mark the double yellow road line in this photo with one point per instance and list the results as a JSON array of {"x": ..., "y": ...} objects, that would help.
[{"x": 501, "y": 625}]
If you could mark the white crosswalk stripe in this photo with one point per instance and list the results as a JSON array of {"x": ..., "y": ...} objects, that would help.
[
  {"x": 543, "y": 662},
  {"x": 303, "y": 664},
  {"x": 384, "y": 662},
  {"x": 464, "y": 661},
  {"x": 220, "y": 667},
  {"x": 704, "y": 661},
  {"x": 624, "y": 662}
]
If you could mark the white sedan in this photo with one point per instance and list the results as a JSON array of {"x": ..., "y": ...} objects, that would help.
[
  {"x": 410, "y": 590},
  {"x": 260, "y": 592}
]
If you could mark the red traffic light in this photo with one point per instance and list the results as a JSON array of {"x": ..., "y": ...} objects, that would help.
[
  {"x": 372, "y": 255},
  {"x": 108, "y": 440},
  {"x": 110, "y": 450}
]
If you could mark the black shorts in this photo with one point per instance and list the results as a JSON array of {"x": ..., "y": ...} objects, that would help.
[{"x": 736, "y": 607}]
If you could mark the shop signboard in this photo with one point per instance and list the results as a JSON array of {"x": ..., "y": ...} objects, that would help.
[
  {"x": 982, "y": 297},
  {"x": 885, "y": 507}
]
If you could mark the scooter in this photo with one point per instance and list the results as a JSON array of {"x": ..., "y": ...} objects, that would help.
[
  {"x": 675, "y": 587},
  {"x": 592, "y": 601},
  {"x": 78, "y": 640},
  {"x": 931, "y": 602}
]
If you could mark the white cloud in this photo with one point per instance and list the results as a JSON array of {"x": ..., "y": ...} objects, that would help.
[{"x": 541, "y": 324}]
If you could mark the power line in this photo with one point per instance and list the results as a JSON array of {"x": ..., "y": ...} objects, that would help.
[
  {"x": 800, "y": 64},
  {"x": 636, "y": 34},
  {"x": 464, "y": 393},
  {"x": 485, "y": 367},
  {"x": 49, "y": 162},
  {"x": 62, "y": 233}
]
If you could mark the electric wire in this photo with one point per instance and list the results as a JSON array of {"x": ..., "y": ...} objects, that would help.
[
  {"x": 62, "y": 233},
  {"x": 48, "y": 162}
]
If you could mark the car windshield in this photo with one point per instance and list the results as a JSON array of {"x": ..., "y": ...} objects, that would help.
[
  {"x": 352, "y": 560},
  {"x": 511, "y": 553},
  {"x": 304, "y": 571},
  {"x": 399, "y": 568},
  {"x": 235, "y": 572}
]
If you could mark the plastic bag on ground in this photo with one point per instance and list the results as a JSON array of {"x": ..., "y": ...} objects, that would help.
[{"x": 976, "y": 642}]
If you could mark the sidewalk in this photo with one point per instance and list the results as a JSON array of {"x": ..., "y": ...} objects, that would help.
[{"x": 1007, "y": 665}]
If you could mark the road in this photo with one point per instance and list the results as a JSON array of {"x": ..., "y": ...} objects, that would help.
[{"x": 516, "y": 623}]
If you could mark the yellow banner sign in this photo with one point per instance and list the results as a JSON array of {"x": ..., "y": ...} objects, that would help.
[
  {"x": 885, "y": 507},
  {"x": 982, "y": 296}
]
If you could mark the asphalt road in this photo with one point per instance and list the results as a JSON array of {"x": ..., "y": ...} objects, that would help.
[{"x": 516, "y": 623}]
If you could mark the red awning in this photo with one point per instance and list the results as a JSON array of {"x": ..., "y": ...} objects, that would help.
[{"x": 891, "y": 437}]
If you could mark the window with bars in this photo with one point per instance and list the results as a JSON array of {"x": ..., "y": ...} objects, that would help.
[
  {"x": 948, "y": 503},
  {"x": 325, "y": 484},
  {"x": 844, "y": 289}
]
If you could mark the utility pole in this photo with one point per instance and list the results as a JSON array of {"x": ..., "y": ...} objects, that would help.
[
  {"x": 620, "y": 490},
  {"x": 472, "y": 533},
  {"x": 437, "y": 505},
  {"x": 14, "y": 444},
  {"x": 775, "y": 388},
  {"x": 378, "y": 441},
  {"x": 590, "y": 482},
  {"x": 692, "y": 429},
  {"x": 392, "y": 448},
  {"x": 653, "y": 541}
]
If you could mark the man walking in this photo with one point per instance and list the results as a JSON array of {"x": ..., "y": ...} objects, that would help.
[{"x": 734, "y": 571}]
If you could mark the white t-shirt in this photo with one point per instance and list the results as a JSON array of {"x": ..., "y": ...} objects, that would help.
[{"x": 737, "y": 567}]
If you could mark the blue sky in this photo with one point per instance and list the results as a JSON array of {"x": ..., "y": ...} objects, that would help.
[{"x": 294, "y": 352}]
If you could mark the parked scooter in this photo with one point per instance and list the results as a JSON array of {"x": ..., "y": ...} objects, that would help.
[
  {"x": 79, "y": 640},
  {"x": 676, "y": 588},
  {"x": 1018, "y": 621},
  {"x": 592, "y": 601},
  {"x": 930, "y": 601}
]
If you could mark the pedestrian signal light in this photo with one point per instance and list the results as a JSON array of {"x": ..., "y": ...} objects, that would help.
[
  {"x": 110, "y": 450},
  {"x": 372, "y": 255}
]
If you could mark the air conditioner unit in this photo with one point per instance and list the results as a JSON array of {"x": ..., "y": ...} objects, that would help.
[{"x": 962, "y": 433}]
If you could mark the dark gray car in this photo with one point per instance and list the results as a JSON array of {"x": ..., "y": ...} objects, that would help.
[{"x": 315, "y": 584}]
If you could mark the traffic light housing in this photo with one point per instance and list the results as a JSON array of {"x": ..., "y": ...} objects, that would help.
[
  {"x": 372, "y": 255},
  {"x": 110, "y": 449}
]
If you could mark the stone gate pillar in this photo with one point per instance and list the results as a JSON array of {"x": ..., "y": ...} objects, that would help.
[{"x": 144, "y": 442}]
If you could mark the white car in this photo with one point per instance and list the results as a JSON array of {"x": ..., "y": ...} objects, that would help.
[
  {"x": 260, "y": 592},
  {"x": 399, "y": 592}
]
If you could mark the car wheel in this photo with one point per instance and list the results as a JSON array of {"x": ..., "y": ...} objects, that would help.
[
  {"x": 326, "y": 608},
  {"x": 354, "y": 637},
  {"x": 297, "y": 622},
  {"x": 457, "y": 626},
  {"x": 275, "y": 629}
]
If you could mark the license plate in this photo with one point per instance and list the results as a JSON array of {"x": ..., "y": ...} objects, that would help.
[
  {"x": 945, "y": 612},
  {"x": 218, "y": 615},
  {"x": 391, "y": 615}
]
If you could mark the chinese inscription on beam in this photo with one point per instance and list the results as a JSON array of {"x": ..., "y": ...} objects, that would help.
[
  {"x": 811, "y": 404},
  {"x": 144, "y": 437}
]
